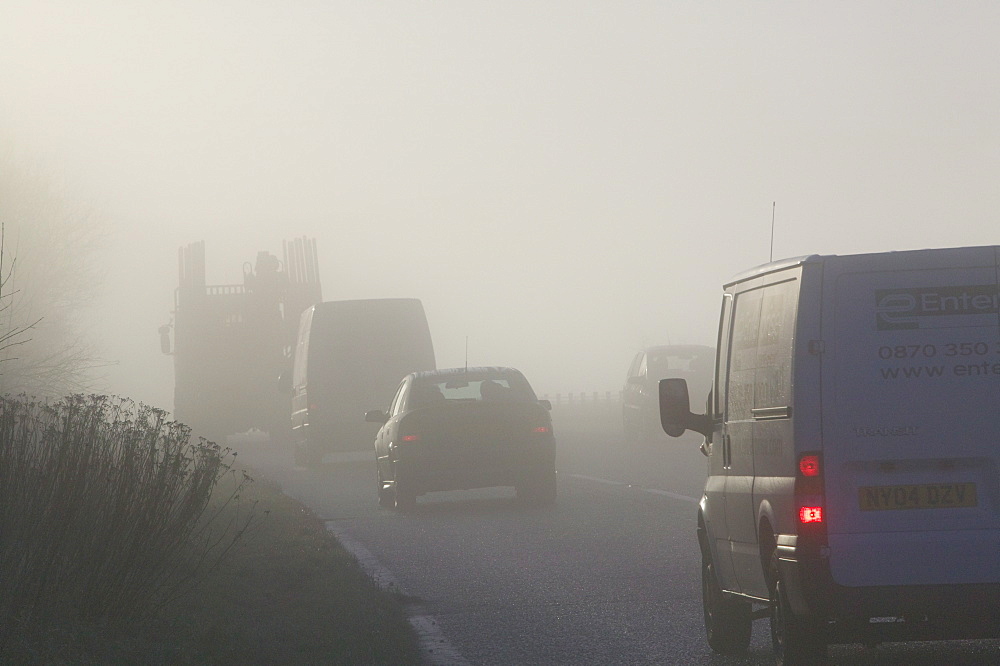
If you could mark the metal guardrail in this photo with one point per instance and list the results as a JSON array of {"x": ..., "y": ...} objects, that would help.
[{"x": 583, "y": 398}]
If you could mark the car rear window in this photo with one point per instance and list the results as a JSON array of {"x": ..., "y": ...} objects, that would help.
[{"x": 509, "y": 388}]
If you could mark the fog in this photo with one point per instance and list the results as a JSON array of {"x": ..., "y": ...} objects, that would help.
[{"x": 561, "y": 183}]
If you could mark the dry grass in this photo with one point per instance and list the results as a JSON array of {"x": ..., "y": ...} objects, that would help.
[
  {"x": 289, "y": 594},
  {"x": 123, "y": 542}
]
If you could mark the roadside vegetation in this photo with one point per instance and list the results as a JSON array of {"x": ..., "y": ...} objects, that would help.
[{"x": 124, "y": 541}]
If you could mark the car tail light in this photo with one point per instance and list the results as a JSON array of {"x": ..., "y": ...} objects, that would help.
[
  {"x": 410, "y": 438},
  {"x": 542, "y": 429}
]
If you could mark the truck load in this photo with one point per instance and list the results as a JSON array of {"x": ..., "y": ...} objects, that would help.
[{"x": 232, "y": 342}]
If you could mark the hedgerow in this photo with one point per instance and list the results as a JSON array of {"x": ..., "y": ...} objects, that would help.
[{"x": 103, "y": 512}]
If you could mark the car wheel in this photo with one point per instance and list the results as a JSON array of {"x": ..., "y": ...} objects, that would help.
[
  {"x": 796, "y": 640},
  {"x": 538, "y": 488},
  {"x": 405, "y": 498},
  {"x": 728, "y": 622},
  {"x": 386, "y": 495}
]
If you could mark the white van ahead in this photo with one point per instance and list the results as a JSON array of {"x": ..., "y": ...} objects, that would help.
[
  {"x": 351, "y": 355},
  {"x": 853, "y": 450}
]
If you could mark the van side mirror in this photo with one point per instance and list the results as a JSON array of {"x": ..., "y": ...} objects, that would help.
[
  {"x": 675, "y": 410},
  {"x": 376, "y": 416},
  {"x": 547, "y": 404}
]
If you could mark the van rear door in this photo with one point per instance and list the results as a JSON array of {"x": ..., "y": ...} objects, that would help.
[{"x": 911, "y": 393}]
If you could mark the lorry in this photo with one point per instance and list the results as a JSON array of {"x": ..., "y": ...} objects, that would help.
[
  {"x": 233, "y": 342},
  {"x": 853, "y": 445}
]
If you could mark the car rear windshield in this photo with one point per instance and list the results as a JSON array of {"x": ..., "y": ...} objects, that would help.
[{"x": 498, "y": 388}]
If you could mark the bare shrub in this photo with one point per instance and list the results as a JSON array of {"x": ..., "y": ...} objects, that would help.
[{"x": 102, "y": 511}]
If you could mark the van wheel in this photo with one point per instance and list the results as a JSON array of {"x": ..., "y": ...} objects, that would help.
[
  {"x": 307, "y": 456},
  {"x": 728, "y": 622},
  {"x": 796, "y": 640}
]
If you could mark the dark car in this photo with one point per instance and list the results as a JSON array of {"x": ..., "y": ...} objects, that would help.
[
  {"x": 640, "y": 397},
  {"x": 464, "y": 428}
]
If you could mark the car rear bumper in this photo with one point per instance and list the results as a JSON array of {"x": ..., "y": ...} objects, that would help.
[
  {"x": 426, "y": 472},
  {"x": 884, "y": 613}
]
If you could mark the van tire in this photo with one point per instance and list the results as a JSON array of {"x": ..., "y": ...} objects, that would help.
[
  {"x": 728, "y": 622},
  {"x": 797, "y": 641},
  {"x": 307, "y": 456}
]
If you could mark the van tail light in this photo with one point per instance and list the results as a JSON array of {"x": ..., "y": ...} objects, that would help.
[
  {"x": 809, "y": 465},
  {"x": 542, "y": 429},
  {"x": 810, "y": 499},
  {"x": 410, "y": 438},
  {"x": 810, "y": 514}
]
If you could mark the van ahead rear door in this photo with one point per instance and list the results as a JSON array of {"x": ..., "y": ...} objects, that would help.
[{"x": 911, "y": 407}]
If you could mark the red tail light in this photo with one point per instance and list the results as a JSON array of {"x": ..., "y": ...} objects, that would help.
[
  {"x": 810, "y": 494},
  {"x": 410, "y": 438},
  {"x": 809, "y": 465},
  {"x": 810, "y": 514},
  {"x": 542, "y": 429}
]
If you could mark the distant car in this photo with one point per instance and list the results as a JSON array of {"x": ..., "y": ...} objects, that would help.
[
  {"x": 640, "y": 397},
  {"x": 461, "y": 428}
]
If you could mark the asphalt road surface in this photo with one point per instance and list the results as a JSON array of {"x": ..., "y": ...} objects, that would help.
[{"x": 609, "y": 575}]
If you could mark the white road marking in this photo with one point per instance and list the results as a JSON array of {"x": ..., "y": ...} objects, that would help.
[
  {"x": 436, "y": 648},
  {"x": 594, "y": 479},
  {"x": 657, "y": 491},
  {"x": 654, "y": 491}
]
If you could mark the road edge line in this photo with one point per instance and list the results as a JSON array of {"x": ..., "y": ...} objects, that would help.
[{"x": 436, "y": 649}]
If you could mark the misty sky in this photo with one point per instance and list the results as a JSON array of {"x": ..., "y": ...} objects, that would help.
[{"x": 562, "y": 182}]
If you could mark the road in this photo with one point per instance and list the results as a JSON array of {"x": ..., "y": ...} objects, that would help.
[{"x": 609, "y": 575}]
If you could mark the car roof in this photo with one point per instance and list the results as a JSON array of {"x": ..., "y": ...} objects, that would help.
[{"x": 488, "y": 371}]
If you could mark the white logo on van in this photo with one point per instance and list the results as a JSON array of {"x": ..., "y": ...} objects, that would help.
[
  {"x": 886, "y": 431},
  {"x": 936, "y": 307}
]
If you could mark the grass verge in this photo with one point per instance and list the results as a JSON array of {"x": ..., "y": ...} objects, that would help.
[{"x": 287, "y": 593}]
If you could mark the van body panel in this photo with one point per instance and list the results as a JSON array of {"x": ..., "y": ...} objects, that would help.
[
  {"x": 755, "y": 431},
  {"x": 350, "y": 357},
  {"x": 886, "y": 368},
  {"x": 912, "y": 387}
]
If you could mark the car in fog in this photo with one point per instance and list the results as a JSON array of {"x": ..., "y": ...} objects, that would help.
[
  {"x": 640, "y": 397},
  {"x": 464, "y": 428}
]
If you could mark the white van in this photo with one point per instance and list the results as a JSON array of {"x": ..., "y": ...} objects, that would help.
[
  {"x": 350, "y": 355},
  {"x": 853, "y": 450}
]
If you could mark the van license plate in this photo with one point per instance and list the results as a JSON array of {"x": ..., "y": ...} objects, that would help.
[{"x": 923, "y": 496}]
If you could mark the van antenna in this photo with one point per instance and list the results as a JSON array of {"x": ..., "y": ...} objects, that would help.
[{"x": 771, "y": 258}]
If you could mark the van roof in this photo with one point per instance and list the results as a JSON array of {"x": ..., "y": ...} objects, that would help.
[
  {"x": 782, "y": 264},
  {"x": 772, "y": 267}
]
